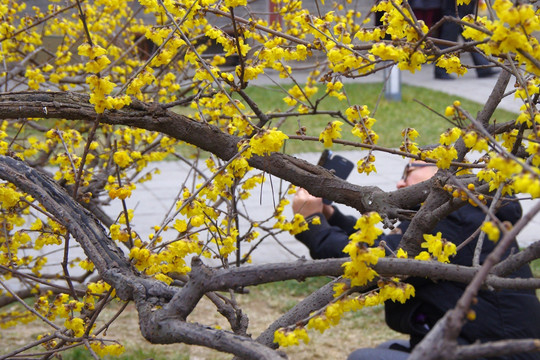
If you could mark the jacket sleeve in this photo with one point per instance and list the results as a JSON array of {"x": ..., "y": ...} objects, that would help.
[
  {"x": 324, "y": 240},
  {"x": 345, "y": 222}
]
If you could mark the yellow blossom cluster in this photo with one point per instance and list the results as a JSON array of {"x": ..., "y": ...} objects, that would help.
[
  {"x": 358, "y": 269},
  {"x": 501, "y": 171},
  {"x": 399, "y": 21},
  {"x": 363, "y": 123},
  {"x": 367, "y": 232},
  {"x": 444, "y": 154},
  {"x": 366, "y": 164},
  {"x": 330, "y": 315},
  {"x": 452, "y": 64},
  {"x": 491, "y": 230},
  {"x": 297, "y": 225},
  {"x": 286, "y": 338},
  {"x": 510, "y": 32},
  {"x": 64, "y": 307},
  {"x": 266, "y": 142},
  {"x": 464, "y": 195},
  {"x": 330, "y": 133},
  {"x": 12, "y": 318},
  {"x": 333, "y": 88},
  {"x": 395, "y": 290},
  {"x": 408, "y": 145},
  {"x": 437, "y": 247},
  {"x": 171, "y": 260},
  {"x": 103, "y": 350}
]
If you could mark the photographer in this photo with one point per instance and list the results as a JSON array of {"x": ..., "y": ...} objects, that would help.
[{"x": 505, "y": 314}]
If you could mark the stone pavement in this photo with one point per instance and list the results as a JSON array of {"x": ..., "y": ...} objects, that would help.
[{"x": 154, "y": 199}]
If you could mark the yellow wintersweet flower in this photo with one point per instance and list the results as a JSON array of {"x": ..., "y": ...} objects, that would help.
[
  {"x": 530, "y": 89},
  {"x": 331, "y": 132},
  {"x": 527, "y": 183},
  {"x": 438, "y": 247},
  {"x": 91, "y": 51},
  {"x": 424, "y": 256},
  {"x": 452, "y": 64},
  {"x": 8, "y": 197},
  {"x": 401, "y": 254},
  {"x": 444, "y": 155},
  {"x": 367, "y": 232},
  {"x": 506, "y": 167},
  {"x": 386, "y": 52},
  {"x": 450, "y": 136},
  {"x": 98, "y": 64},
  {"x": 267, "y": 141},
  {"x": 100, "y": 87},
  {"x": 470, "y": 139},
  {"x": 103, "y": 350},
  {"x": 234, "y": 3},
  {"x": 491, "y": 230},
  {"x": 35, "y": 77},
  {"x": 75, "y": 324},
  {"x": 122, "y": 158},
  {"x": 286, "y": 338},
  {"x": 366, "y": 165},
  {"x": 359, "y": 269},
  {"x": 180, "y": 225},
  {"x": 122, "y": 192},
  {"x": 318, "y": 323},
  {"x": 412, "y": 62},
  {"x": 396, "y": 291},
  {"x": 362, "y": 129},
  {"x": 355, "y": 112},
  {"x": 162, "y": 277},
  {"x": 299, "y": 224},
  {"x": 87, "y": 265},
  {"x": 473, "y": 141},
  {"x": 450, "y": 111},
  {"x": 339, "y": 288}
]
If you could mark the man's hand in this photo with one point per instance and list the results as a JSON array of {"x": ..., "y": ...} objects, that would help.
[{"x": 306, "y": 204}]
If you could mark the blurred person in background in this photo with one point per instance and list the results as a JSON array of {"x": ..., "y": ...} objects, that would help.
[{"x": 500, "y": 315}]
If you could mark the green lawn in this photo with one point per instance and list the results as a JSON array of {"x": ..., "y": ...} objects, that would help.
[{"x": 391, "y": 116}]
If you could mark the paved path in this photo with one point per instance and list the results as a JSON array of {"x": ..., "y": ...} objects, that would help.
[{"x": 156, "y": 197}]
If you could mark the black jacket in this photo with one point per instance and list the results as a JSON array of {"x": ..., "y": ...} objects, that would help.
[{"x": 505, "y": 314}]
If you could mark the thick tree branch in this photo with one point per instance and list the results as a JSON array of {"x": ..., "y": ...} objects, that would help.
[
  {"x": 318, "y": 181},
  {"x": 496, "y": 349},
  {"x": 494, "y": 99},
  {"x": 156, "y": 326}
]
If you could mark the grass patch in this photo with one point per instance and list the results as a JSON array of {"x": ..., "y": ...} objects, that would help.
[
  {"x": 392, "y": 116},
  {"x": 291, "y": 291},
  {"x": 535, "y": 268}
]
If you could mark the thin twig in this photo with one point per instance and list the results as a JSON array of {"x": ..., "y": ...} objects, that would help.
[{"x": 25, "y": 305}]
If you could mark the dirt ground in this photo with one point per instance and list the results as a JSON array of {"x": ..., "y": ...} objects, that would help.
[{"x": 362, "y": 329}]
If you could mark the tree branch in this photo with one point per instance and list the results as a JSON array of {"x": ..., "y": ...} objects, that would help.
[{"x": 315, "y": 179}]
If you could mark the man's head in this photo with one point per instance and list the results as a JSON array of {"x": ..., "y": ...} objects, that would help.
[{"x": 415, "y": 172}]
